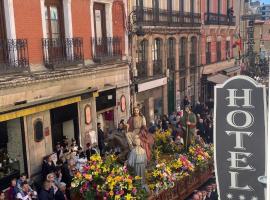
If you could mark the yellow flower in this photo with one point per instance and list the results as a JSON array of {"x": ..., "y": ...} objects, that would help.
[
  {"x": 138, "y": 178},
  {"x": 88, "y": 177},
  {"x": 128, "y": 196},
  {"x": 117, "y": 197}
]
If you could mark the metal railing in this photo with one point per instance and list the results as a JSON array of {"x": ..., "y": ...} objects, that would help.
[
  {"x": 208, "y": 57},
  {"x": 157, "y": 67},
  {"x": 162, "y": 17},
  {"x": 62, "y": 51},
  {"x": 106, "y": 48},
  {"x": 193, "y": 59},
  {"x": 219, "y": 19},
  {"x": 13, "y": 55},
  {"x": 142, "y": 69}
]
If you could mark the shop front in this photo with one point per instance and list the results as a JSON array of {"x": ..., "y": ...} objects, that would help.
[
  {"x": 12, "y": 151},
  {"x": 105, "y": 108}
]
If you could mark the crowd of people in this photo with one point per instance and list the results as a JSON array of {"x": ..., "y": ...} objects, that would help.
[
  {"x": 59, "y": 168},
  {"x": 208, "y": 192}
]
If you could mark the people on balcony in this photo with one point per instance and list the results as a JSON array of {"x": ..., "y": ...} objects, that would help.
[{"x": 230, "y": 13}]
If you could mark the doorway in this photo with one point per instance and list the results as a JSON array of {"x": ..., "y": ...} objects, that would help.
[{"x": 64, "y": 122}]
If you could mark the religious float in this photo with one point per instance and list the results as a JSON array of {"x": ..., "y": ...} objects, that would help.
[{"x": 172, "y": 173}]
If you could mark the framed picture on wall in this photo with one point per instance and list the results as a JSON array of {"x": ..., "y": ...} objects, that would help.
[
  {"x": 87, "y": 113},
  {"x": 123, "y": 103},
  {"x": 38, "y": 130}
]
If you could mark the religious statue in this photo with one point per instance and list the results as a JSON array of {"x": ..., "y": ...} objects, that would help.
[
  {"x": 188, "y": 122},
  {"x": 137, "y": 159},
  {"x": 135, "y": 123}
]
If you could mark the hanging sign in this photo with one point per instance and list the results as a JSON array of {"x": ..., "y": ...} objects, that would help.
[{"x": 240, "y": 133}]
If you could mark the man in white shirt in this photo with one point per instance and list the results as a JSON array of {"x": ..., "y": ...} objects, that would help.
[{"x": 24, "y": 194}]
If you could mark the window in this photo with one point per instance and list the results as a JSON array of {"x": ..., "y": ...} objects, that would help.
[
  {"x": 192, "y": 6},
  {"x": 157, "y": 49},
  {"x": 53, "y": 17},
  {"x": 193, "y": 54},
  {"x": 38, "y": 130},
  {"x": 182, "y": 52},
  {"x": 171, "y": 54},
  {"x": 142, "y": 51},
  {"x": 155, "y": 4},
  {"x": 208, "y": 52},
  {"x": 182, "y": 5},
  {"x": 228, "y": 49},
  {"x": 219, "y": 6},
  {"x": 218, "y": 51},
  {"x": 182, "y": 84}
]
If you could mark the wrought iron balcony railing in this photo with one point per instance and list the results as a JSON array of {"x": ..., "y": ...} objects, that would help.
[
  {"x": 193, "y": 59},
  {"x": 161, "y": 17},
  {"x": 58, "y": 52},
  {"x": 157, "y": 67},
  {"x": 219, "y": 19},
  {"x": 142, "y": 69},
  {"x": 106, "y": 49},
  {"x": 13, "y": 55},
  {"x": 171, "y": 63},
  {"x": 208, "y": 57}
]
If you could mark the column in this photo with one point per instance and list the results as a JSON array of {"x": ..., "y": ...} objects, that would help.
[
  {"x": 68, "y": 18},
  {"x": 149, "y": 109},
  {"x": 10, "y": 21}
]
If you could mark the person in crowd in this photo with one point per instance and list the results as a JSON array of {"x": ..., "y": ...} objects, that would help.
[
  {"x": 165, "y": 122},
  {"x": 204, "y": 195},
  {"x": 59, "y": 150},
  {"x": 186, "y": 102},
  {"x": 81, "y": 153},
  {"x": 201, "y": 129},
  {"x": 199, "y": 193},
  {"x": 13, "y": 190},
  {"x": 101, "y": 139},
  {"x": 51, "y": 179},
  {"x": 2, "y": 195},
  {"x": 195, "y": 197},
  {"x": 65, "y": 142},
  {"x": 46, "y": 192},
  {"x": 66, "y": 175},
  {"x": 61, "y": 193},
  {"x": 152, "y": 129},
  {"x": 209, "y": 192},
  {"x": 209, "y": 133},
  {"x": 58, "y": 175},
  {"x": 172, "y": 118},
  {"x": 198, "y": 108},
  {"x": 24, "y": 193},
  {"x": 22, "y": 179},
  {"x": 74, "y": 146},
  {"x": 48, "y": 167},
  {"x": 214, "y": 195}
]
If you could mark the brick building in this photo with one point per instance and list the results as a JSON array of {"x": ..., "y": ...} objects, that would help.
[
  {"x": 164, "y": 37},
  {"x": 63, "y": 68},
  {"x": 217, "y": 39}
]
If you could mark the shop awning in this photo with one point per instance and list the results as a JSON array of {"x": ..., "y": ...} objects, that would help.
[
  {"x": 218, "y": 78},
  {"x": 17, "y": 111},
  {"x": 232, "y": 69}
]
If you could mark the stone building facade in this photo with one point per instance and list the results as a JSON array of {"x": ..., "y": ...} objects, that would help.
[
  {"x": 63, "y": 68},
  {"x": 219, "y": 31},
  {"x": 164, "y": 37}
]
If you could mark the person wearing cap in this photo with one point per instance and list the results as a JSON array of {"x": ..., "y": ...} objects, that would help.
[
  {"x": 61, "y": 193},
  {"x": 188, "y": 122}
]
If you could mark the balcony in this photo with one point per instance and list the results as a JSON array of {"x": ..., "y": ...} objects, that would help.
[
  {"x": 142, "y": 69},
  {"x": 106, "y": 49},
  {"x": 157, "y": 67},
  {"x": 218, "y": 19},
  {"x": 208, "y": 58},
  {"x": 13, "y": 55},
  {"x": 193, "y": 60},
  {"x": 60, "y": 52},
  {"x": 161, "y": 17}
]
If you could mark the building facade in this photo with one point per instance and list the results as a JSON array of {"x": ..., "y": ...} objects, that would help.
[
  {"x": 63, "y": 68},
  {"x": 218, "y": 35},
  {"x": 164, "y": 41}
]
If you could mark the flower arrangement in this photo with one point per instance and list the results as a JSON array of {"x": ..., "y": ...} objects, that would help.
[
  {"x": 198, "y": 155},
  {"x": 182, "y": 166},
  {"x": 164, "y": 142},
  {"x": 161, "y": 178},
  {"x": 107, "y": 179}
]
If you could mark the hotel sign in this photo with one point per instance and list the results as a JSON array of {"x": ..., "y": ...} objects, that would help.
[{"x": 240, "y": 134}]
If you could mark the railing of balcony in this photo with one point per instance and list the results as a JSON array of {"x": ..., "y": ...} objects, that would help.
[
  {"x": 171, "y": 63},
  {"x": 107, "y": 48},
  {"x": 208, "y": 57},
  {"x": 157, "y": 67},
  {"x": 219, "y": 19},
  {"x": 58, "y": 52},
  {"x": 142, "y": 69},
  {"x": 13, "y": 55},
  {"x": 193, "y": 59},
  {"x": 161, "y": 17}
]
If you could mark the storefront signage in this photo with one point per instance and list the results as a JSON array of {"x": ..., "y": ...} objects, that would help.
[
  {"x": 151, "y": 84},
  {"x": 240, "y": 139}
]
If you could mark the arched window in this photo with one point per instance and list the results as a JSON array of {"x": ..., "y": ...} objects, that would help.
[
  {"x": 142, "y": 58},
  {"x": 182, "y": 52},
  {"x": 157, "y": 57},
  {"x": 193, "y": 53},
  {"x": 38, "y": 130},
  {"x": 171, "y": 54}
]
